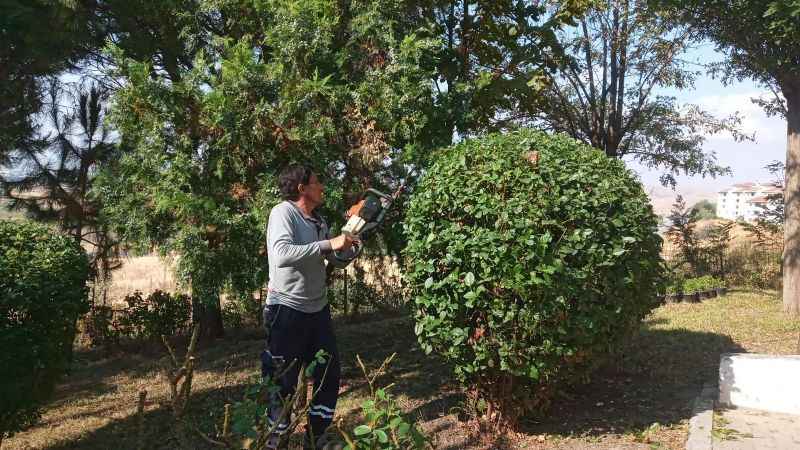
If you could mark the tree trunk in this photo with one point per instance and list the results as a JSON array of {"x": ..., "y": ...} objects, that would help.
[
  {"x": 207, "y": 313},
  {"x": 791, "y": 252}
]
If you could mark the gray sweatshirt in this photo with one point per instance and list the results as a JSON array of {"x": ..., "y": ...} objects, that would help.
[{"x": 297, "y": 247}]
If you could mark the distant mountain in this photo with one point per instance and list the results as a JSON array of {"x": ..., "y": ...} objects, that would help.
[{"x": 662, "y": 198}]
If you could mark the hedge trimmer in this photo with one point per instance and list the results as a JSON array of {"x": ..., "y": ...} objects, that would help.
[{"x": 365, "y": 217}]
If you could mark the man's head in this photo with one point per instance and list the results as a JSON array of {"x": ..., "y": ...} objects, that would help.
[{"x": 300, "y": 183}]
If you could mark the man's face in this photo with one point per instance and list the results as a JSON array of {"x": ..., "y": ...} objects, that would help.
[{"x": 313, "y": 192}]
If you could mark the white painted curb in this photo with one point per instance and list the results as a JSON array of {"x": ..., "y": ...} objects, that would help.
[{"x": 764, "y": 382}]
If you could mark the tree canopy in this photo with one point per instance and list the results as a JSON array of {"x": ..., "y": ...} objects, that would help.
[
  {"x": 609, "y": 92},
  {"x": 29, "y": 54},
  {"x": 767, "y": 49}
]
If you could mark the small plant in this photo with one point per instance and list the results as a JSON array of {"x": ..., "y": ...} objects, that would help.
[
  {"x": 101, "y": 327},
  {"x": 243, "y": 423},
  {"x": 160, "y": 313},
  {"x": 383, "y": 427},
  {"x": 675, "y": 284},
  {"x": 683, "y": 233},
  {"x": 232, "y": 315}
]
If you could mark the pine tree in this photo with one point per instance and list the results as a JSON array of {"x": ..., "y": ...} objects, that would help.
[{"x": 54, "y": 177}]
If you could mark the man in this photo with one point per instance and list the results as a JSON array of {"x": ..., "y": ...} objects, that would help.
[{"x": 297, "y": 315}]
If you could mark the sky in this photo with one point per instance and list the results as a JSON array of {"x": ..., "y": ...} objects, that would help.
[{"x": 746, "y": 159}]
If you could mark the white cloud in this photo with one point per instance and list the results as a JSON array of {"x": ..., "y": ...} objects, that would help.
[
  {"x": 768, "y": 130},
  {"x": 746, "y": 159}
]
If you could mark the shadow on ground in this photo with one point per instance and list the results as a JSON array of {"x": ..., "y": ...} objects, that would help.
[{"x": 654, "y": 382}]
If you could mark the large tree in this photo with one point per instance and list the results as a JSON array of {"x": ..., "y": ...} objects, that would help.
[
  {"x": 53, "y": 175},
  {"x": 492, "y": 59},
  {"x": 761, "y": 39},
  {"x": 29, "y": 53},
  {"x": 610, "y": 91},
  {"x": 340, "y": 85}
]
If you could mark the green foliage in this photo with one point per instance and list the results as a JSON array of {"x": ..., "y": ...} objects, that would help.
[
  {"x": 754, "y": 266},
  {"x": 529, "y": 255},
  {"x": 382, "y": 425},
  {"x": 493, "y": 60},
  {"x": 240, "y": 312},
  {"x": 767, "y": 51},
  {"x": 701, "y": 284},
  {"x": 43, "y": 283},
  {"x": 351, "y": 295},
  {"x": 101, "y": 327},
  {"x": 675, "y": 287},
  {"x": 683, "y": 234},
  {"x": 337, "y": 85},
  {"x": 244, "y": 422},
  {"x": 158, "y": 314},
  {"x": 52, "y": 180},
  {"x": 705, "y": 209},
  {"x": 29, "y": 55},
  {"x": 609, "y": 93}
]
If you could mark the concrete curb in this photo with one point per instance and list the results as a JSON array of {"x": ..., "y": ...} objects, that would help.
[{"x": 702, "y": 421}]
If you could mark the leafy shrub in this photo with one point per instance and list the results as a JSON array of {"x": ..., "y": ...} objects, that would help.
[
  {"x": 232, "y": 315},
  {"x": 101, "y": 327},
  {"x": 160, "y": 313},
  {"x": 43, "y": 284},
  {"x": 700, "y": 284},
  {"x": 529, "y": 255},
  {"x": 676, "y": 287},
  {"x": 241, "y": 311},
  {"x": 754, "y": 266}
]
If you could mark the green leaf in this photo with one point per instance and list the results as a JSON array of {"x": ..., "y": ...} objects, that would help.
[
  {"x": 382, "y": 437},
  {"x": 362, "y": 430},
  {"x": 402, "y": 430},
  {"x": 469, "y": 279}
]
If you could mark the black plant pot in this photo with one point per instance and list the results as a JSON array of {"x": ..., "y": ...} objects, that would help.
[{"x": 721, "y": 291}]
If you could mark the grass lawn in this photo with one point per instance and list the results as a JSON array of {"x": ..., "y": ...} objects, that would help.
[
  {"x": 641, "y": 400},
  {"x": 5, "y": 214}
]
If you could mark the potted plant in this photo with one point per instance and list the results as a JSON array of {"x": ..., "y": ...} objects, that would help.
[
  {"x": 691, "y": 288},
  {"x": 707, "y": 286},
  {"x": 675, "y": 291}
]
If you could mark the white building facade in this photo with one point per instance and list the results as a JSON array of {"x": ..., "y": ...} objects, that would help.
[{"x": 741, "y": 201}]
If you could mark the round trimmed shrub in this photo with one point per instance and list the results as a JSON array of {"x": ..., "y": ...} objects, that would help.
[
  {"x": 42, "y": 294},
  {"x": 529, "y": 256}
]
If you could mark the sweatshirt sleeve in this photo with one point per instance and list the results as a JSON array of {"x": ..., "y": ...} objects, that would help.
[
  {"x": 281, "y": 246},
  {"x": 336, "y": 263},
  {"x": 332, "y": 260}
]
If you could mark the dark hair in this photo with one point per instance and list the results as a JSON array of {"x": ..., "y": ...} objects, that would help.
[{"x": 290, "y": 178}]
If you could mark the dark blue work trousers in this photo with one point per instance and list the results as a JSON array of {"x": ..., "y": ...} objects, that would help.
[{"x": 297, "y": 336}]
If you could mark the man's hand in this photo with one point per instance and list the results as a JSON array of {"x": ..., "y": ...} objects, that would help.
[{"x": 343, "y": 242}]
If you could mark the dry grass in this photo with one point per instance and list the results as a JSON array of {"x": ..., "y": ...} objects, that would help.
[
  {"x": 5, "y": 214},
  {"x": 141, "y": 273},
  {"x": 642, "y": 400}
]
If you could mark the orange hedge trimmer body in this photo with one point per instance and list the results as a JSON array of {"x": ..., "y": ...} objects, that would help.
[{"x": 366, "y": 215}]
